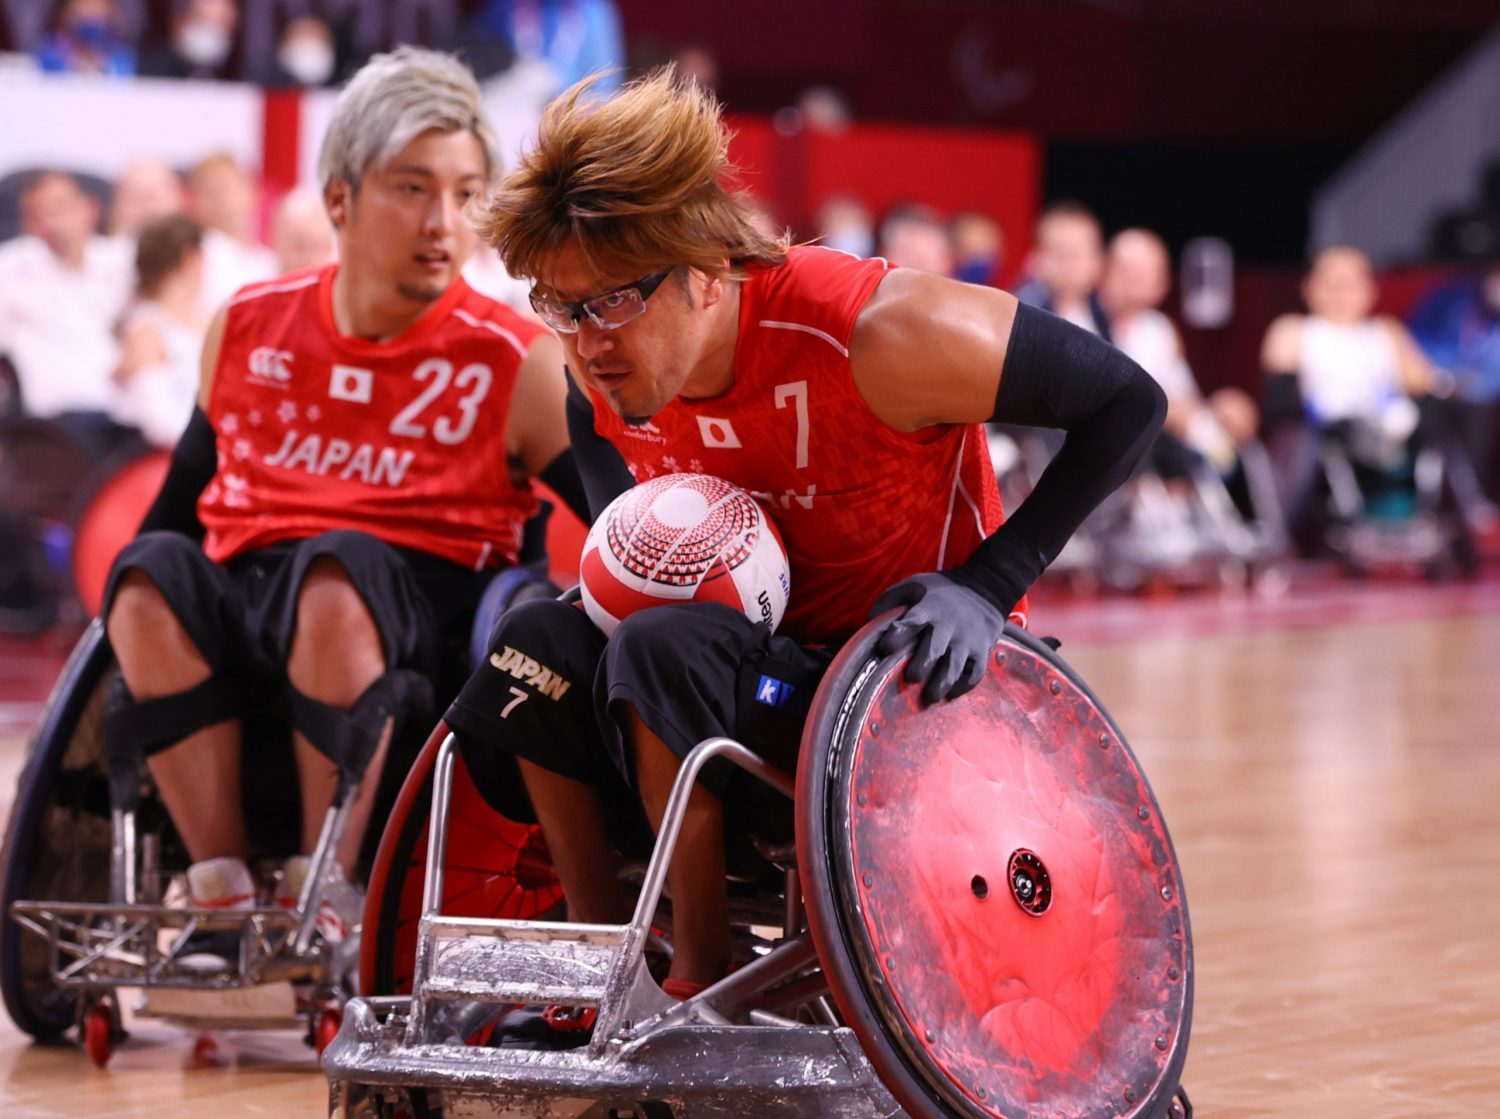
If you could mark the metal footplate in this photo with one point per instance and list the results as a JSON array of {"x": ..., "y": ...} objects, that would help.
[{"x": 728, "y": 1051}]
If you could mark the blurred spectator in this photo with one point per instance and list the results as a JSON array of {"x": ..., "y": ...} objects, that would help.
[
  {"x": 225, "y": 201},
  {"x": 916, "y": 237},
  {"x": 201, "y": 44},
  {"x": 824, "y": 109},
  {"x": 762, "y": 217},
  {"x": 301, "y": 233},
  {"x": 306, "y": 55},
  {"x": 1458, "y": 326},
  {"x": 569, "y": 38},
  {"x": 697, "y": 63},
  {"x": 161, "y": 333},
  {"x": 1137, "y": 278},
  {"x": 146, "y": 189},
  {"x": 62, "y": 286},
  {"x": 843, "y": 223},
  {"x": 1066, "y": 267},
  {"x": 978, "y": 248},
  {"x": 87, "y": 40}
]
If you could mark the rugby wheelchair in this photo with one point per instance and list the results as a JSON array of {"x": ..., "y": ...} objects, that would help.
[
  {"x": 980, "y": 915},
  {"x": 1374, "y": 501},
  {"x": 1200, "y": 528},
  {"x": 91, "y": 878}
]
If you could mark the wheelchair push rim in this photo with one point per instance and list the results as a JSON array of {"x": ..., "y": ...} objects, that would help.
[
  {"x": 992, "y": 891},
  {"x": 495, "y": 867}
]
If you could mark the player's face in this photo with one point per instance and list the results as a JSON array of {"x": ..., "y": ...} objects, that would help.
[
  {"x": 406, "y": 224},
  {"x": 641, "y": 366}
]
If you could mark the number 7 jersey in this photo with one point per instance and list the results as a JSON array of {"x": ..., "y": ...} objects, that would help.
[
  {"x": 860, "y": 505},
  {"x": 404, "y": 440}
]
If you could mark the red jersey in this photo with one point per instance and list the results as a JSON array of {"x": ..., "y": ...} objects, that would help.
[
  {"x": 859, "y": 504},
  {"x": 404, "y": 439}
]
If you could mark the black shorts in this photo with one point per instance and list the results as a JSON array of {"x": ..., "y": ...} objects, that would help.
[
  {"x": 242, "y": 616},
  {"x": 553, "y": 686}
]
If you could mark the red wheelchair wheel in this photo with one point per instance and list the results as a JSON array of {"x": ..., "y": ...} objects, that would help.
[
  {"x": 109, "y": 521},
  {"x": 993, "y": 892},
  {"x": 495, "y": 867}
]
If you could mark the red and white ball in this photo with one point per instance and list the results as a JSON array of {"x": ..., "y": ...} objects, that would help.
[{"x": 684, "y": 538}]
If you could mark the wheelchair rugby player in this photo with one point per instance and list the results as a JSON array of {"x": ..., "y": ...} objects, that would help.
[{"x": 849, "y": 397}]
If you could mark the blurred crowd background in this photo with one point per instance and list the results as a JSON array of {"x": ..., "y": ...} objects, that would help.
[{"x": 1288, "y": 213}]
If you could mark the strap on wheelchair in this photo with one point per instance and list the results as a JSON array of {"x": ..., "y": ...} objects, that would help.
[
  {"x": 349, "y": 737},
  {"x": 134, "y": 729}
]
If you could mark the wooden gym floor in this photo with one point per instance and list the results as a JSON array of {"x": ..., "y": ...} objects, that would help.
[{"x": 1329, "y": 765}]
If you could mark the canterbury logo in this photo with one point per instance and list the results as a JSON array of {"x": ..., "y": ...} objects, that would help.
[
  {"x": 267, "y": 363},
  {"x": 529, "y": 671}
]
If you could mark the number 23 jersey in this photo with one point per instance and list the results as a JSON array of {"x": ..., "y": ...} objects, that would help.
[
  {"x": 403, "y": 439},
  {"x": 859, "y": 504}
]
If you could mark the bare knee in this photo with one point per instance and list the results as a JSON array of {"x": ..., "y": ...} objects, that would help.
[
  {"x": 141, "y": 623},
  {"x": 335, "y": 635}
]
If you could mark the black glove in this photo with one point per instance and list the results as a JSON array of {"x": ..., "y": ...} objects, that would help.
[{"x": 949, "y": 629}]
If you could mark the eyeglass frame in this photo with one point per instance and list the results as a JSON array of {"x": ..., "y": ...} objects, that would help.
[{"x": 577, "y": 309}]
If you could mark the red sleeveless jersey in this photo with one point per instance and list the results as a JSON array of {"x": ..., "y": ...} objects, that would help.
[
  {"x": 859, "y": 504},
  {"x": 404, "y": 440}
]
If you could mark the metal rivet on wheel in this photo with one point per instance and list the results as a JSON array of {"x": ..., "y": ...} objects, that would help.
[
  {"x": 869, "y": 880},
  {"x": 930, "y": 1036},
  {"x": 1000, "y": 659},
  {"x": 1104, "y": 742},
  {"x": 890, "y": 963},
  {"x": 863, "y": 800},
  {"x": 1130, "y": 1095},
  {"x": 1161, "y": 1041},
  {"x": 1056, "y": 687},
  {"x": 875, "y": 730},
  {"x": 979, "y": 1091},
  {"x": 1141, "y": 812},
  {"x": 1166, "y": 893},
  {"x": 1174, "y": 973}
]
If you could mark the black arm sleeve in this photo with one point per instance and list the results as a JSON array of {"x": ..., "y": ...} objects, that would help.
[
  {"x": 1056, "y": 375},
  {"x": 193, "y": 464},
  {"x": 600, "y": 466},
  {"x": 562, "y": 477}
]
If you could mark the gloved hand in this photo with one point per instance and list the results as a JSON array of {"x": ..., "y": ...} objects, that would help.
[{"x": 949, "y": 629}]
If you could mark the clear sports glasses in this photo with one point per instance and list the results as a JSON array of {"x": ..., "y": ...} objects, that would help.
[{"x": 608, "y": 311}]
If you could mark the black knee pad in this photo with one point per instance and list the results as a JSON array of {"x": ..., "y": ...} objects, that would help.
[
  {"x": 135, "y": 729},
  {"x": 349, "y": 737}
]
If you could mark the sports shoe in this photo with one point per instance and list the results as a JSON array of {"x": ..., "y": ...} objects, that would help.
[
  {"x": 343, "y": 903},
  {"x": 222, "y": 883}
]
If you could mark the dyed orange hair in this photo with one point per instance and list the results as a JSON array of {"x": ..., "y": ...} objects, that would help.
[{"x": 637, "y": 182}]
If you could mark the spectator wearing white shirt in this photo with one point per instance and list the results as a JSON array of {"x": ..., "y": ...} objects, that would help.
[
  {"x": 1137, "y": 278},
  {"x": 62, "y": 287},
  {"x": 161, "y": 333},
  {"x": 225, "y": 201}
]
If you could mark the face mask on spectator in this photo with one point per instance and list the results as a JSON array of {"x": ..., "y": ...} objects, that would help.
[
  {"x": 94, "y": 34},
  {"x": 203, "y": 44},
  {"x": 310, "y": 62}
]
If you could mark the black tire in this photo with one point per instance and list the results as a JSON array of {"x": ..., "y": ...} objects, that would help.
[{"x": 57, "y": 842}]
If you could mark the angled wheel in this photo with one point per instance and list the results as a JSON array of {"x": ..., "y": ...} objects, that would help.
[
  {"x": 57, "y": 843},
  {"x": 993, "y": 893},
  {"x": 495, "y": 868}
]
